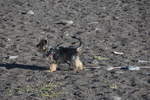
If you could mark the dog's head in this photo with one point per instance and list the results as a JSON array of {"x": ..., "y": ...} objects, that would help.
[
  {"x": 51, "y": 51},
  {"x": 42, "y": 45}
]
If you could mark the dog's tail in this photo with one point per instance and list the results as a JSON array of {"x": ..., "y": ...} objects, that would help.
[{"x": 80, "y": 43}]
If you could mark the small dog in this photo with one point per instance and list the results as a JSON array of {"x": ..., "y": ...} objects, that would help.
[{"x": 59, "y": 54}]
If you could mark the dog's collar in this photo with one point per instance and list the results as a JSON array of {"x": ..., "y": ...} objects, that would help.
[{"x": 50, "y": 55}]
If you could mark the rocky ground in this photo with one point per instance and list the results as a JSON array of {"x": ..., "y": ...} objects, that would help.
[{"x": 114, "y": 33}]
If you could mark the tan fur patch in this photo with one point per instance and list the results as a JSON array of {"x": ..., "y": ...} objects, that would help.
[
  {"x": 53, "y": 67},
  {"x": 78, "y": 64}
]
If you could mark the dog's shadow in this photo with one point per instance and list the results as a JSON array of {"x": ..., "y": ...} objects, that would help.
[{"x": 22, "y": 66}]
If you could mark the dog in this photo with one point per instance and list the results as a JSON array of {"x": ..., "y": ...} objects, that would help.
[{"x": 60, "y": 54}]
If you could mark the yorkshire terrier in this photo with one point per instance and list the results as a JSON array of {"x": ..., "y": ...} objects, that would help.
[{"x": 60, "y": 54}]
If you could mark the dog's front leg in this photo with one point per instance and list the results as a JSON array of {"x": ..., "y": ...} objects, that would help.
[{"x": 53, "y": 67}]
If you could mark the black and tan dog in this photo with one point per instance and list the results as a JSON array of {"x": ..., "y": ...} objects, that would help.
[{"x": 59, "y": 54}]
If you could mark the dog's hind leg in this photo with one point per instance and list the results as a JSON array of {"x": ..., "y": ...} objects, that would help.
[{"x": 78, "y": 64}]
